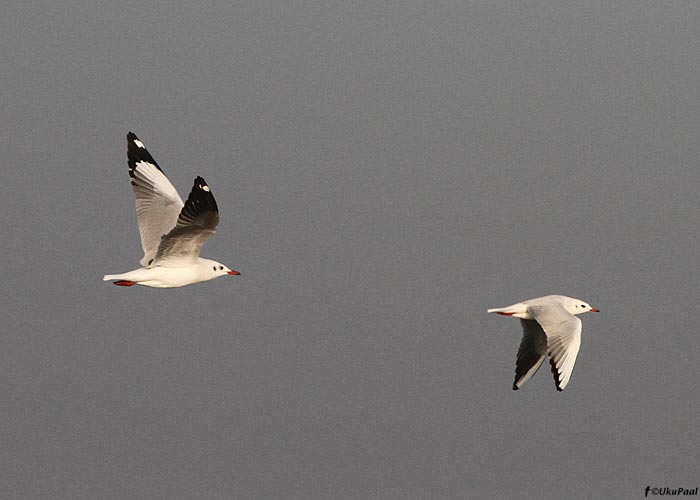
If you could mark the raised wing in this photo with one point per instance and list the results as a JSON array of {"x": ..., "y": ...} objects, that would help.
[
  {"x": 563, "y": 332},
  {"x": 157, "y": 201},
  {"x": 195, "y": 225},
  {"x": 531, "y": 354}
]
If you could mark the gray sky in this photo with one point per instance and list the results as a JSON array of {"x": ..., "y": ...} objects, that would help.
[{"x": 385, "y": 171}]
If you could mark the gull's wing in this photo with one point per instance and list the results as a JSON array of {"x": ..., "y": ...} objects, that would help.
[
  {"x": 195, "y": 225},
  {"x": 531, "y": 354},
  {"x": 157, "y": 201},
  {"x": 563, "y": 332}
]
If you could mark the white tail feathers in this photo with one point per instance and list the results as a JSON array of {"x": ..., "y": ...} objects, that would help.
[{"x": 518, "y": 310}]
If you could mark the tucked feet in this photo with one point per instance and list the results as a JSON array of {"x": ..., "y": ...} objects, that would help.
[{"x": 124, "y": 283}]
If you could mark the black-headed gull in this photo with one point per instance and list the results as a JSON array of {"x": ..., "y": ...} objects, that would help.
[
  {"x": 172, "y": 232},
  {"x": 550, "y": 328}
]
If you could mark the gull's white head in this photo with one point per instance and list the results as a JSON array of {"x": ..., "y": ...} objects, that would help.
[
  {"x": 216, "y": 269},
  {"x": 577, "y": 306}
]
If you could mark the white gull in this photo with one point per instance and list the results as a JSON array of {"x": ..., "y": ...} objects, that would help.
[
  {"x": 550, "y": 328},
  {"x": 172, "y": 232}
]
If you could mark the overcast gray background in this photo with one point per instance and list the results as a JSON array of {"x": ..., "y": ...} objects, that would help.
[{"x": 385, "y": 171}]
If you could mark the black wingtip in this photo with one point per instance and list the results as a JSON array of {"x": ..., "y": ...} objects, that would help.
[
  {"x": 133, "y": 138},
  {"x": 201, "y": 189},
  {"x": 515, "y": 387},
  {"x": 137, "y": 152},
  {"x": 199, "y": 201},
  {"x": 555, "y": 372}
]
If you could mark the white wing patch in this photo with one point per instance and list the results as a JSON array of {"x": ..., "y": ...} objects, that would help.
[
  {"x": 563, "y": 331},
  {"x": 157, "y": 206}
]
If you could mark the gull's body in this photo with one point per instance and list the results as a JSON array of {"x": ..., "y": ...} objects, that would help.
[
  {"x": 172, "y": 232},
  {"x": 171, "y": 277},
  {"x": 550, "y": 328}
]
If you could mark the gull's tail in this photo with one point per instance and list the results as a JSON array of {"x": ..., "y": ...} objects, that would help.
[
  {"x": 518, "y": 310},
  {"x": 119, "y": 279}
]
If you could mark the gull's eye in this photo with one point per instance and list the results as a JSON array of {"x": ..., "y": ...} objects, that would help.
[{"x": 221, "y": 268}]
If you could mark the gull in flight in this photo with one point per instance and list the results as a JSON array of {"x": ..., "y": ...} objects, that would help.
[
  {"x": 550, "y": 328},
  {"x": 172, "y": 232}
]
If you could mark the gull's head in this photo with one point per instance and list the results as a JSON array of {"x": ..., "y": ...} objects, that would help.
[
  {"x": 218, "y": 269},
  {"x": 577, "y": 306}
]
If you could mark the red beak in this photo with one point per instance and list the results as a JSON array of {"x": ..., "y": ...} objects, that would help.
[
  {"x": 234, "y": 273},
  {"x": 595, "y": 310}
]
